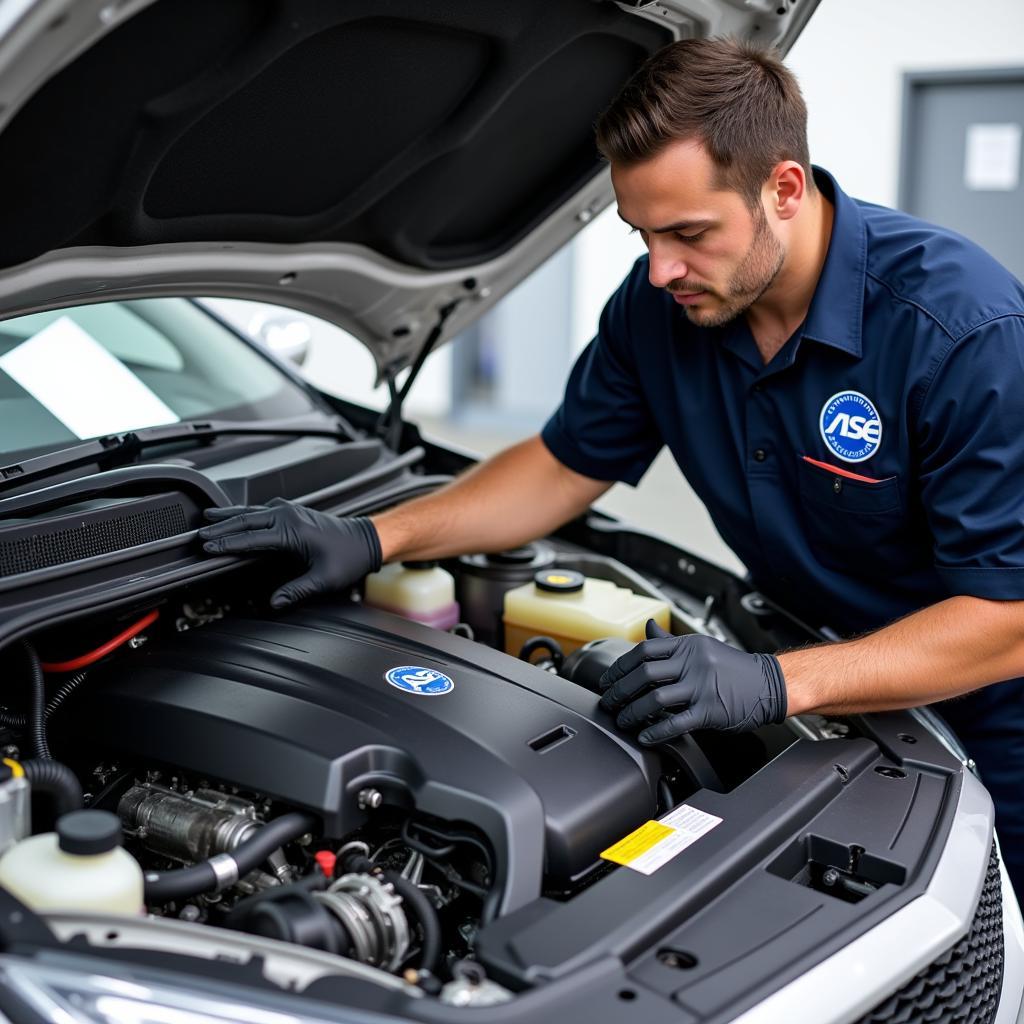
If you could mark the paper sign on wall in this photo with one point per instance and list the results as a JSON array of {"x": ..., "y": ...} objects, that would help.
[
  {"x": 992, "y": 157},
  {"x": 90, "y": 391}
]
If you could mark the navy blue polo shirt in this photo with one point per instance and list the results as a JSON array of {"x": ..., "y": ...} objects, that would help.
[{"x": 875, "y": 465}]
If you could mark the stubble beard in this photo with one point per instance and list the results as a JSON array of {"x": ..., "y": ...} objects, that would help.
[{"x": 754, "y": 275}]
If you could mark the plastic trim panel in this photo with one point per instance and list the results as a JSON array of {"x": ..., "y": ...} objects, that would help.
[{"x": 847, "y": 985}]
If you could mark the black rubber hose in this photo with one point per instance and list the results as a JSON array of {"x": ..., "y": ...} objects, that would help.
[
  {"x": 57, "y": 781},
  {"x": 491, "y": 897},
  {"x": 310, "y": 924},
  {"x": 164, "y": 886},
  {"x": 65, "y": 691},
  {"x": 543, "y": 643},
  {"x": 37, "y": 704},
  {"x": 290, "y": 913},
  {"x": 19, "y": 720},
  {"x": 490, "y": 908},
  {"x": 161, "y": 886},
  {"x": 421, "y": 907},
  {"x": 13, "y": 719}
]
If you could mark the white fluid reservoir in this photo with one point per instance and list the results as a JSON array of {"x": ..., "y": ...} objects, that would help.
[
  {"x": 80, "y": 867},
  {"x": 574, "y": 609},
  {"x": 421, "y": 591}
]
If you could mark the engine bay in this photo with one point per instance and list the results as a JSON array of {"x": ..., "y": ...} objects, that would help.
[
  {"x": 376, "y": 796},
  {"x": 358, "y": 782}
]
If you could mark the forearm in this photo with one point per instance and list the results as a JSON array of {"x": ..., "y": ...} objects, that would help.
[
  {"x": 514, "y": 497},
  {"x": 947, "y": 649}
]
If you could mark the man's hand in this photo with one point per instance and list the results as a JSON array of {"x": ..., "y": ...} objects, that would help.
[
  {"x": 336, "y": 552},
  {"x": 692, "y": 682}
]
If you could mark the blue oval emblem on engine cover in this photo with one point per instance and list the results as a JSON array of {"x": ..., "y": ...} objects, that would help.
[
  {"x": 850, "y": 426},
  {"x": 425, "y": 682}
]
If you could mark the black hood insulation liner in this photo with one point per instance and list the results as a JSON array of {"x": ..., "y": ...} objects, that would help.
[{"x": 436, "y": 132}]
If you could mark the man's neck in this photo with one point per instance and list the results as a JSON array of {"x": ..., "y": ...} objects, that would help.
[{"x": 783, "y": 307}]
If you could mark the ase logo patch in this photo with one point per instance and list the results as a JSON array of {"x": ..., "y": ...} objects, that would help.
[
  {"x": 850, "y": 426},
  {"x": 424, "y": 682}
]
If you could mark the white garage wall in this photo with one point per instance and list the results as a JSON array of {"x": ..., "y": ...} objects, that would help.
[
  {"x": 605, "y": 250},
  {"x": 851, "y": 59}
]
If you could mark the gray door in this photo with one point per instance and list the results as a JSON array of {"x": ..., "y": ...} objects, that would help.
[{"x": 962, "y": 153}]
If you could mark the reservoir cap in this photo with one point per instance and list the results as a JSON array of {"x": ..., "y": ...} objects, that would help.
[
  {"x": 88, "y": 832},
  {"x": 559, "y": 581},
  {"x": 429, "y": 563},
  {"x": 515, "y": 556}
]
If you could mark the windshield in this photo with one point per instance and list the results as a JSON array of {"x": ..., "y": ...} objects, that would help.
[{"x": 88, "y": 371}]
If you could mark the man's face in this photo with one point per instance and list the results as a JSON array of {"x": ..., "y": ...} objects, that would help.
[{"x": 708, "y": 249}]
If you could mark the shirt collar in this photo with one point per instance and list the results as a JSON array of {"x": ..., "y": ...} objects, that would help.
[{"x": 835, "y": 315}]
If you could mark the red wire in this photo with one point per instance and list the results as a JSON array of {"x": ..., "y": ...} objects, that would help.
[{"x": 87, "y": 659}]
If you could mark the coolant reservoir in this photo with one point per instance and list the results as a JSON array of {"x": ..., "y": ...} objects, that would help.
[
  {"x": 574, "y": 609},
  {"x": 421, "y": 591},
  {"x": 81, "y": 866}
]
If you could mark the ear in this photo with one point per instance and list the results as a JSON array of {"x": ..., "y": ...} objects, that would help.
[{"x": 786, "y": 188}]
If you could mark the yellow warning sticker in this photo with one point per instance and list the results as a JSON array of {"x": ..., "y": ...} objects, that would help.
[
  {"x": 655, "y": 843},
  {"x": 625, "y": 851}
]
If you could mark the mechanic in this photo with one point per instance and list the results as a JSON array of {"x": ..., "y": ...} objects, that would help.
[{"x": 841, "y": 384}]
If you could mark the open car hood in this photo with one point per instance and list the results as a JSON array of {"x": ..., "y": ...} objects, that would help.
[{"x": 372, "y": 162}]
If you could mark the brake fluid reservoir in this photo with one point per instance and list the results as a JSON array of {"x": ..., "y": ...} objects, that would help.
[
  {"x": 421, "y": 591},
  {"x": 81, "y": 866},
  {"x": 575, "y": 609}
]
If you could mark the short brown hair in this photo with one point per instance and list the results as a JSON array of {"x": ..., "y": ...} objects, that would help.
[{"x": 737, "y": 99}]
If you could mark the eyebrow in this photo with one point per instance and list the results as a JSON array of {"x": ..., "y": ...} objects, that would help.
[{"x": 682, "y": 225}]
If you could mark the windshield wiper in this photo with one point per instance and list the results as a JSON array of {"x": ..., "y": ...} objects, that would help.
[{"x": 119, "y": 449}]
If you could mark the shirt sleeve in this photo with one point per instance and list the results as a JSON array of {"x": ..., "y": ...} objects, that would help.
[
  {"x": 971, "y": 433},
  {"x": 604, "y": 429}
]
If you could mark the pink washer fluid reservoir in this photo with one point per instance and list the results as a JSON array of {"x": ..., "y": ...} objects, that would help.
[{"x": 420, "y": 591}]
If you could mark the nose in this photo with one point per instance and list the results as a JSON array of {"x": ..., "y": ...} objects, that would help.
[{"x": 665, "y": 266}]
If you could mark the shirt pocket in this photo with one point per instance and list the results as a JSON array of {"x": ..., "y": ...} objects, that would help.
[{"x": 856, "y": 526}]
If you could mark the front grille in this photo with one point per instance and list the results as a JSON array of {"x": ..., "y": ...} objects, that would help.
[
  {"x": 963, "y": 985},
  {"x": 100, "y": 537}
]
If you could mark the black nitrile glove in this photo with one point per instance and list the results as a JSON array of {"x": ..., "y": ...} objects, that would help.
[
  {"x": 336, "y": 552},
  {"x": 691, "y": 682}
]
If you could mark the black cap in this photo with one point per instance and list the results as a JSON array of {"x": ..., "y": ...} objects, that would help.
[
  {"x": 88, "y": 832},
  {"x": 429, "y": 563},
  {"x": 515, "y": 556},
  {"x": 559, "y": 581}
]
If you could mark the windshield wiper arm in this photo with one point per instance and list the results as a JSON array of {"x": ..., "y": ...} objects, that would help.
[{"x": 117, "y": 449}]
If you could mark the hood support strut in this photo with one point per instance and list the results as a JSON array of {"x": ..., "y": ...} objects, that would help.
[{"x": 389, "y": 426}]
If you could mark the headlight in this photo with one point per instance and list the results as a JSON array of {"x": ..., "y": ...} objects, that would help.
[{"x": 64, "y": 996}]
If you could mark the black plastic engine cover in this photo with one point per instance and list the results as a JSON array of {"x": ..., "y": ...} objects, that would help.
[{"x": 298, "y": 707}]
